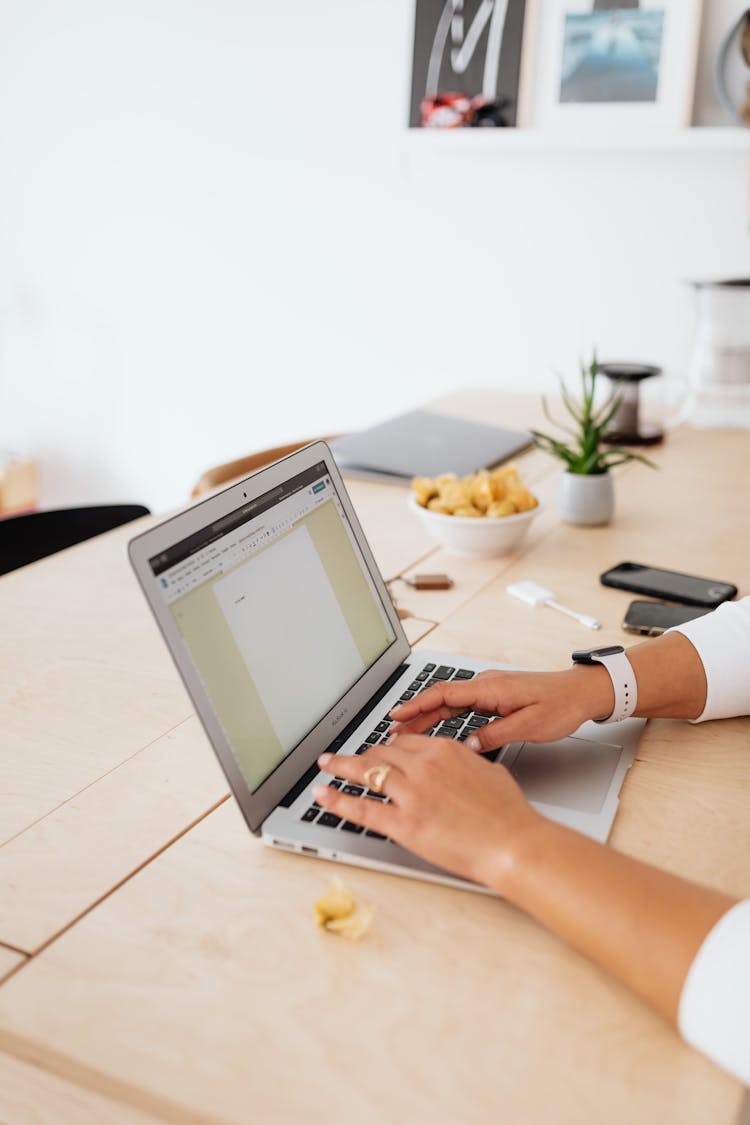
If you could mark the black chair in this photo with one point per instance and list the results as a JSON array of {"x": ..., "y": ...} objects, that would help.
[{"x": 26, "y": 538}]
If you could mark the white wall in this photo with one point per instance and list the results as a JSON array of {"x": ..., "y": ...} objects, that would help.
[{"x": 216, "y": 235}]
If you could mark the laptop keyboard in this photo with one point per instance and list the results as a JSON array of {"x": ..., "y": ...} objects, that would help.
[{"x": 459, "y": 728}]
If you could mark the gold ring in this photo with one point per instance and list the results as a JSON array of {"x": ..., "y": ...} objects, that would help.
[{"x": 375, "y": 777}]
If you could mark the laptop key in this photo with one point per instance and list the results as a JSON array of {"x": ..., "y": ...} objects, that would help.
[
  {"x": 355, "y": 790},
  {"x": 347, "y": 826},
  {"x": 373, "y": 738},
  {"x": 328, "y": 820},
  {"x": 477, "y": 721},
  {"x": 455, "y": 724},
  {"x": 463, "y": 674},
  {"x": 491, "y": 755},
  {"x": 423, "y": 676},
  {"x": 415, "y": 685},
  {"x": 335, "y": 784},
  {"x": 363, "y": 747},
  {"x": 429, "y": 668},
  {"x": 375, "y": 835},
  {"x": 381, "y": 727},
  {"x": 406, "y": 695},
  {"x": 311, "y": 813},
  {"x": 446, "y": 732}
]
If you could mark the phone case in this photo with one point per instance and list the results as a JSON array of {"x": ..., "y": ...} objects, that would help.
[
  {"x": 644, "y": 630},
  {"x": 622, "y": 582}
]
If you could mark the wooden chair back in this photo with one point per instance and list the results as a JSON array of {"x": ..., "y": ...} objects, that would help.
[{"x": 232, "y": 470}]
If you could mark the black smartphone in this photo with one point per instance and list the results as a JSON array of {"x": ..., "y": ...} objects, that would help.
[
  {"x": 668, "y": 584},
  {"x": 651, "y": 619}
]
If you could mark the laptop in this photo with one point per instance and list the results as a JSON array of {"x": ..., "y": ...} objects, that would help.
[
  {"x": 425, "y": 443},
  {"x": 281, "y": 626}
]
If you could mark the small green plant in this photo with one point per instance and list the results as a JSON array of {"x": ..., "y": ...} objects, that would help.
[{"x": 587, "y": 453}]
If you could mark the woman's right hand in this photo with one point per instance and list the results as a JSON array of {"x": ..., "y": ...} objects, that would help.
[{"x": 534, "y": 706}]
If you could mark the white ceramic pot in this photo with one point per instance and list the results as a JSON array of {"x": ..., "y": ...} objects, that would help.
[{"x": 588, "y": 501}]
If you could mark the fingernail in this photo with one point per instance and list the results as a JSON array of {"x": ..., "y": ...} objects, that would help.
[
  {"x": 319, "y": 791},
  {"x": 324, "y": 759},
  {"x": 473, "y": 743}
]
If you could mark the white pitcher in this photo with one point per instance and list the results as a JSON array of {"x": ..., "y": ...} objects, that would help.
[{"x": 720, "y": 364}]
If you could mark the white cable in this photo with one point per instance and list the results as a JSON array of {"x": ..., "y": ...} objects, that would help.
[
  {"x": 534, "y": 594},
  {"x": 584, "y": 618}
]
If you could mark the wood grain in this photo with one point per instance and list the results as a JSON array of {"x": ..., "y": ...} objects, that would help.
[
  {"x": 85, "y": 678},
  {"x": 31, "y": 1096},
  {"x": 10, "y": 959},
  {"x": 416, "y": 629},
  {"x": 199, "y": 989},
  {"x": 56, "y": 870},
  {"x": 203, "y": 987}
]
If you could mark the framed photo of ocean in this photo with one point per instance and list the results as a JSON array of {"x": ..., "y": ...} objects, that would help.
[{"x": 614, "y": 66}]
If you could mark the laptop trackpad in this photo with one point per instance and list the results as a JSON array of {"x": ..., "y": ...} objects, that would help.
[{"x": 574, "y": 773}]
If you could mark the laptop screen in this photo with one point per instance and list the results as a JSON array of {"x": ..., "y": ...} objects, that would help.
[{"x": 278, "y": 613}]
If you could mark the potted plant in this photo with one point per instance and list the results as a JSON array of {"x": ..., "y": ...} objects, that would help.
[{"x": 586, "y": 492}]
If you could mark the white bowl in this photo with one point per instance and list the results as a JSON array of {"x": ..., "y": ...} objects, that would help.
[{"x": 473, "y": 536}]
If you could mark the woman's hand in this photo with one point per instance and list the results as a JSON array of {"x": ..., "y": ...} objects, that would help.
[
  {"x": 536, "y": 706},
  {"x": 446, "y": 804},
  {"x": 469, "y": 816}
]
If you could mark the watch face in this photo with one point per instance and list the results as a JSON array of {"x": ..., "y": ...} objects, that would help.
[{"x": 590, "y": 655}]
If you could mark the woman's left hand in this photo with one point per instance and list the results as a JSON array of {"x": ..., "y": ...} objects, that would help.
[{"x": 447, "y": 804}]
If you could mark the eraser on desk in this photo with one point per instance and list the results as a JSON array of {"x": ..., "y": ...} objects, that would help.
[{"x": 430, "y": 581}]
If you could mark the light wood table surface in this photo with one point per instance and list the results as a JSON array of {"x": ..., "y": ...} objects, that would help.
[{"x": 157, "y": 963}]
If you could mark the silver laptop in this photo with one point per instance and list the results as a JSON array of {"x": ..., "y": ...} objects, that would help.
[
  {"x": 281, "y": 627},
  {"x": 425, "y": 443}
]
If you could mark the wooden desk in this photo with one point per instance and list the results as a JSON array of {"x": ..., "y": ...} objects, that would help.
[{"x": 158, "y": 963}]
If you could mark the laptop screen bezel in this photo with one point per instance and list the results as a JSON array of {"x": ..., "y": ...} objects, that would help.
[{"x": 258, "y": 804}]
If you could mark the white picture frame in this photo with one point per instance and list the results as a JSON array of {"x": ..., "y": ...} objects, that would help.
[{"x": 612, "y": 67}]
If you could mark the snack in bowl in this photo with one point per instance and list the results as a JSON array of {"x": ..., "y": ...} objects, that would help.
[{"x": 483, "y": 514}]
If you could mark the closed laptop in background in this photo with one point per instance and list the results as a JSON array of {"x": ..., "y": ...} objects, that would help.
[{"x": 424, "y": 443}]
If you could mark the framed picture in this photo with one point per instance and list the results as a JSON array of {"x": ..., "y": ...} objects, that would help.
[
  {"x": 466, "y": 62},
  {"x": 614, "y": 65}
]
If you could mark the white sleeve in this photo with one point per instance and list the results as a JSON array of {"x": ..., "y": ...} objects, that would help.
[
  {"x": 714, "y": 1013},
  {"x": 722, "y": 640}
]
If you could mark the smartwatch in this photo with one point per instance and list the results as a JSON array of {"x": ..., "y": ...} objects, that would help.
[{"x": 620, "y": 673}]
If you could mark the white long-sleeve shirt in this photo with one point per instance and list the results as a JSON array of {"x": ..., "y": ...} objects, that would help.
[{"x": 714, "y": 1012}]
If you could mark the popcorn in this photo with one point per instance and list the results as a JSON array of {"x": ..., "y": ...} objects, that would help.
[
  {"x": 489, "y": 493},
  {"x": 336, "y": 911}
]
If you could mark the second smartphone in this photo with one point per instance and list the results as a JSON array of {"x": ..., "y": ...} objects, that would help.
[
  {"x": 651, "y": 619},
  {"x": 668, "y": 584}
]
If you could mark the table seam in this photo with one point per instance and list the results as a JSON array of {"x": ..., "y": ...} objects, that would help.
[
  {"x": 121, "y": 882},
  {"x": 95, "y": 781}
]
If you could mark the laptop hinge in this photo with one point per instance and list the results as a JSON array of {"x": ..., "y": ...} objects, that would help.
[{"x": 303, "y": 782}]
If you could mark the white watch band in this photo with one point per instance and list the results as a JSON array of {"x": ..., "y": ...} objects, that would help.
[{"x": 623, "y": 681}]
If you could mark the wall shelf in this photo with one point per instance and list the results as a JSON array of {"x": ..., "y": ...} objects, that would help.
[{"x": 698, "y": 138}]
